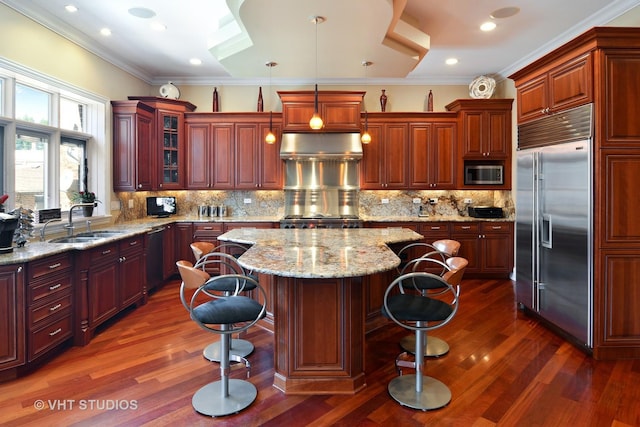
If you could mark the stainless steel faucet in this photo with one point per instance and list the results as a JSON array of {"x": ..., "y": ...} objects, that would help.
[
  {"x": 69, "y": 226},
  {"x": 44, "y": 227}
]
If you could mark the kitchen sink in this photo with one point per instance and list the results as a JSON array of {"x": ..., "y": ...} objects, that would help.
[
  {"x": 100, "y": 234},
  {"x": 76, "y": 239}
]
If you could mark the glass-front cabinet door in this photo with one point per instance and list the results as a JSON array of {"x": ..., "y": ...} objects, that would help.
[{"x": 171, "y": 151}]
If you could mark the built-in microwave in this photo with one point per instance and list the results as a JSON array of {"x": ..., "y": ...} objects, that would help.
[{"x": 483, "y": 174}]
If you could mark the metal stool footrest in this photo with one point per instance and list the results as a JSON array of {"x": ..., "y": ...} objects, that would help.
[{"x": 403, "y": 361}]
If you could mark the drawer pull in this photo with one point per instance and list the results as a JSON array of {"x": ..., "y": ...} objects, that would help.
[
  {"x": 208, "y": 228},
  {"x": 54, "y": 287},
  {"x": 496, "y": 227},
  {"x": 435, "y": 228},
  {"x": 133, "y": 243},
  {"x": 466, "y": 227},
  {"x": 55, "y": 307},
  {"x": 56, "y": 265},
  {"x": 107, "y": 252},
  {"x": 56, "y": 332}
]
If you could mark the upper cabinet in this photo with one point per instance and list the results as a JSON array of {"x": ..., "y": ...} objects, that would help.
[
  {"x": 339, "y": 110},
  {"x": 227, "y": 151},
  {"x": 432, "y": 156},
  {"x": 385, "y": 160},
  {"x": 565, "y": 86},
  {"x": 148, "y": 143}
]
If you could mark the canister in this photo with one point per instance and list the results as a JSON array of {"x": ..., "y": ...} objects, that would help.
[
  {"x": 203, "y": 210},
  {"x": 213, "y": 210},
  {"x": 222, "y": 210}
]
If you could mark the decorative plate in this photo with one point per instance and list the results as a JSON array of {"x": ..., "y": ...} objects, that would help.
[
  {"x": 482, "y": 87},
  {"x": 169, "y": 91}
]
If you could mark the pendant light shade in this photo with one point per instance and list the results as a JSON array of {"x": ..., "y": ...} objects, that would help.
[
  {"x": 270, "y": 138},
  {"x": 316, "y": 122}
]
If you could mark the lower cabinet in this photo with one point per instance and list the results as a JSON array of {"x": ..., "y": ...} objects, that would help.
[
  {"x": 183, "y": 237},
  {"x": 488, "y": 246},
  {"x": 12, "y": 324},
  {"x": 112, "y": 277},
  {"x": 169, "y": 252},
  {"x": 49, "y": 303}
]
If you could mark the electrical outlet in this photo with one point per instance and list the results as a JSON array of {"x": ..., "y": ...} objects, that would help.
[
  {"x": 417, "y": 200},
  {"x": 467, "y": 201},
  {"x": 385, "y": 201},
  {"x": 247, "y": 201},
  {"x": 131, "y": 204}
]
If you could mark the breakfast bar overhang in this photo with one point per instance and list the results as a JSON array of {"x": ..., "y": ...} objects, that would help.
[{"x": 318, "y": 299}]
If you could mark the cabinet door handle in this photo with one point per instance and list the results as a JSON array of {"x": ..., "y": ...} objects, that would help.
[
  {"x": 107, "y": 252},
  {"x": 55, "y": 307},
  {"x": 56, "y": 332},
  {"x": 54, "y": 287},
  {"x": 56, "y": 265}
]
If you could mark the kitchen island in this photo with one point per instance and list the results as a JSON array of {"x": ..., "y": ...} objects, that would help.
[{"x": 318, "y": 299}]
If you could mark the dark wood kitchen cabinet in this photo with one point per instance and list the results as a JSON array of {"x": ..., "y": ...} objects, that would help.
[
  {"x": 227, "y": 151},
  {"x": 50, "y": 303},
  {"x": 432, "y": 155},
  {"x": 340, "y": 110},
  {"x": 561, "y": 87},
  {"x": 148, "y": 143},
  {"x": 183, "y": 237},
  {"x": 487, "y": 246},
  {"x": 12, "y": 320},
  {"x": 385, "y": 160},
  {"x": 169, "y": 252},
  {"x": 602, "y": 66}
]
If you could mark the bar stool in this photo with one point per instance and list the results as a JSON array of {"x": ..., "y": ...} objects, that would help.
[
  {"x": 209, "y": 260},
  {"x": 409, "y": 308},
  {"x": 233, "y": 313},
  {"x": 440, "y": 250}
]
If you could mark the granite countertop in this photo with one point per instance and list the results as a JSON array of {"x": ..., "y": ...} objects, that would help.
[{"x": 320, "y": 253}]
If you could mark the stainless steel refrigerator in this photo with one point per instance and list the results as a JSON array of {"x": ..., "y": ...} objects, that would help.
[{"x": 554, "y": 272}]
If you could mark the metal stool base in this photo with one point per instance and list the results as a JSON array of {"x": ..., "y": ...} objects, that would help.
[
  {"x": 239, "y": 347},
  {"x": 434, "y": 393},
  {"x": 208, "y": 400},
  {"x": 435, "y": 346}
]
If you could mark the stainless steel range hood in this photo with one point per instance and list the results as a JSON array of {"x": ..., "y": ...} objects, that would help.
[{"x": 345, "y": 146}]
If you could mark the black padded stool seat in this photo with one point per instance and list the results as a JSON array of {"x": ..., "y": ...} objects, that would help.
[
  {"x": 233, "y": 313},
  {"x": 408, "y": 307}
]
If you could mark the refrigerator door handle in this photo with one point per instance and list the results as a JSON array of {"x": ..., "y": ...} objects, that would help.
[{"x": 546, "y": 232}]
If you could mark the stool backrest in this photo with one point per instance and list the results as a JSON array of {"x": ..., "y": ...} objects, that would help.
[
  {"x": 457, "y": 265},
  {"x": 192, "y": 278},
  {"x": 201, "y": 248},
  {"x": 448, "y": 246}
]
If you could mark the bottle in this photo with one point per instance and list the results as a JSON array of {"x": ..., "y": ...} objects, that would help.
[
  {"x": 216, "y": 106},
  {"x": 260, "y": 103},
  {"x": 383, "y": 101},
  {"x": 430, "y": 101}
]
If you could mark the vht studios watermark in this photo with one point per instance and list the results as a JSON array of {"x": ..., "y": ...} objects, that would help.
[{"x": 86, "y": 404}]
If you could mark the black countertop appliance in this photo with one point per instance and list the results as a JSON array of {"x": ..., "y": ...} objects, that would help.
[
  {"x": 8, "y": 225},
  {"x": 485, "y": 212}
]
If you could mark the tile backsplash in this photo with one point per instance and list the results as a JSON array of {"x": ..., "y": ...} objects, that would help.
[{"x": 384, "y": 203}]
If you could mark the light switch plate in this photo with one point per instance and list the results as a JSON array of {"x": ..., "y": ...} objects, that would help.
[
  {"x": 131, "y": 204},
  {"x": 417, "y": 200},
  {"x": 247, "y": 201},
  {"x": 385, "y": 201}
]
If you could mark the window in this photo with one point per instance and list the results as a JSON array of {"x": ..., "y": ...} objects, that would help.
[{"x": 52, "y": 141}]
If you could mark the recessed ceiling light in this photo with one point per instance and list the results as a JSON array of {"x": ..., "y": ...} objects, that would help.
[
  {"x": 488, "y": 26},
  {"x": 142, "y": 12},
  {"x": 105, "y": 32},
  {"x": 158, "y": 26},
  {"x": 71, "y": 8},
  {"x": 505, "y": 12},
  {"x": 451, "y": 61},
  {"x": 195, "y": 61}
]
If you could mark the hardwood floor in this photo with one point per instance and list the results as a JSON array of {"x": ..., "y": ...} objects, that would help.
[{"x": 503, "y": 369}]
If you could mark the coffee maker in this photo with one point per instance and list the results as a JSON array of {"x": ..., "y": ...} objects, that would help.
[{"x": 8, "y": 225}]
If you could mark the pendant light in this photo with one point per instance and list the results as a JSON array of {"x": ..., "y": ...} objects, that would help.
[
  {"x": 270, "y": 138},
  {"x": 316, "y": 122},
  {"x": 366, "y": 137}
]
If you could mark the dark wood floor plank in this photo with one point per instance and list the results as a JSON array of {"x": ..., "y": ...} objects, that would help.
[{"x": 503, "y": 369}]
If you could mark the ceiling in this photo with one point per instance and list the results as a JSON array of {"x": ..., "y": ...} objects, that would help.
[{"x": 407, "y": 41}]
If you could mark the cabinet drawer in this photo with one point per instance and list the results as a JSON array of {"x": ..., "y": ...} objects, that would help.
[
  {"x": 489, "y": 227},
  {"x": 135, "y": 244},
  {"x": 53, "y": 308},
  {"x": 434, "y": 228},
  {"x": 49, "y": 336},
  {"x": 207, "y": 228},
  {"x": 54, "y": 286},
  {"x": 105, "y": 253},
  {"x": 466, "y": 227},
  {"x": 49, "y": 265}
]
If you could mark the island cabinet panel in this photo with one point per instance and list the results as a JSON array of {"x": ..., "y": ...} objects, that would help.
[
  {"x": 385, "y": 160},
  {"x": 432, "y": 155},
  {"x": 12, "y": 320},
  {"x": 49, "y": 303},
  {"x": 339, "y": 110},
  {"x": 319, "y": 330}
]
